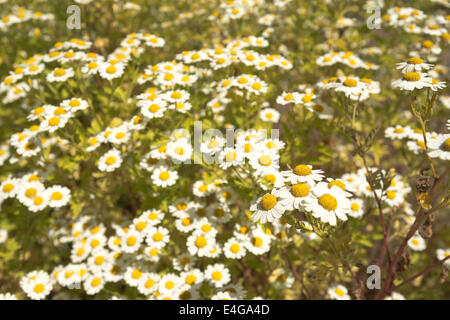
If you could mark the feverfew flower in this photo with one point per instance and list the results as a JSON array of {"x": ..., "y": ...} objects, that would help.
[
  {"x": 110, "y": 161},
  {"x": 269, "y": 207}
]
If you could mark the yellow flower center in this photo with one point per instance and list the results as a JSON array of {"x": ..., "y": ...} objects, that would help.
[
  {"x": 111, "y": 70},
  {"x": 99, "y": 260},
  {"x": 95, "y": 282},
  {"x": 302, "y": 170},
  {"x": 391, "y": 194},
  {"x": 242, "y": 80},
  {"x": 56, "y": 195},
  {"x": 411, "y": 76},
  {"x": 355, "y": 206},
  {"x": 8, "y": 187},
  {"x": 157, "y": 236},
  {"x": 38, "y": 201},
  {"x": 257, "y": 86},
  {"x": 307, "y": 98},
  {"x": 216, "y": 275},
  {"x": 200, "y": 242},
  {"x": 427, "y": 44},
  {"x": 168, "y": 76},
  {"x": 235, "y": 248},
  {"x": 54, "y": 121},
  {"x": 30, "y": 192},
  {"x": 268, "y": 202},
  {"x": 270, "y": 178},
  {"x": 131, "y": 241},
  {"x": 186, "y": 222},
  {"x": 446, "y": 145},
  {"x": 176, "y": 95},
  {"x": 136, "y": 274},
  {"x": 39, "y": 288},
  {"x": 257, "y": 241},
  {"x": 339, "y": 292},
  {"x": 190, "y": 279},
  {"x": 328, "y": 202},
  {"x": 164, "y": 175},
  {"x": 338, "y": 183},
  {"x": 140, "y": 225},
  {"x": 110, "y": 160},
  {"x": 169, "y": 284},
  {"x": 59, "y": 72},
  {"x": 149, "y": 283},
  {"x": 265, "y": 160},
  {"x": 289, "y": 97},
  {"x": 153, "y": 108},
  {"x": 59, "y": 111},
  {"x": 300, "y": 190},
  {"x": 350, "y": 83},
  {"x": 415, "y": 61}
]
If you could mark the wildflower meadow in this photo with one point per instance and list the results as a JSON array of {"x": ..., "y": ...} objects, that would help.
[{"x": 224, "y": 150}]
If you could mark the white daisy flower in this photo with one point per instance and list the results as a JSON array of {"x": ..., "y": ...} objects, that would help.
[
  {"x": 414, "y": 64},
  {"x": 217, "y": 274},
  {"x": 3, "y": 235},
  {"x": 417, "y": 243},
  {"x": 397, "y": 132},
  {"x": 192, "y": 277},
  {"x": 111, "y": 71},
  {"x": 74, "y": 104},
  {"x": 264, "y": 161},
  {"x": 303, "y": 173},
  {"x": 269, "y": 115},
  {"x": 110, "y": 161},
  {"x": 153, "y": 109},
  {"x": 199, "y": 243},
  {"x": 158, "y": 237},
  {"x": 269, "y": 207},
  {"x": 395, "y": 296},
  {"x": 442, "y": 254},
  {"x": 356, "y": 208},
  {"x": 36, "y": 284},
  {"x": 338, "y": 292},
  {"x": 131, "y": 241},
  {"x": 288, "y": 97},
  {"x": 258, "y": 242},
  {"x": 58, "y": 196},
  {"x": 149, "y": 283},
  {"x": 234, "y": 249},
  {"x": 163, "y": 177},
  {"x": 328, "y": 204},
  {"x": 296, "y": 195},
  {"x": 60, "y": 75},
  {"x": 412, "y": 81},
  {"x": 93, "y": 284},
  {"x": 169, "y": 284}
]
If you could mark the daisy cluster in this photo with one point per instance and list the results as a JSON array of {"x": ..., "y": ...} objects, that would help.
[
  {"x": 171, "y": 229},
  {"x": 437, "y": 146},
  {"x": 32, "y": 193},
  {"x": 20, "y": 15},
  {"x": 354, "y": 88},
  {"x": 64, "y": 58},
  {"x": 347, "y": 58},
  {"x": 307, "y": 190},
  {"x": 415, "y": 76},
  {"x": 130, "y": 252},
  {"x": 415, "y": 21}
]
